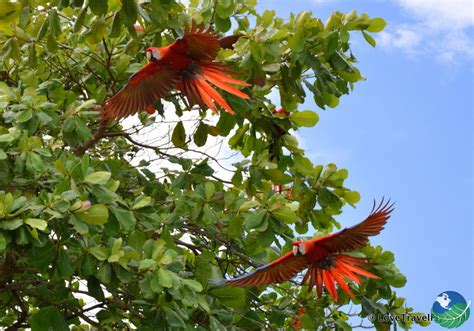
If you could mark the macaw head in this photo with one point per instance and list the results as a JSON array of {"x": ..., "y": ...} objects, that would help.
[
  {"x": 298, "y": 248},
  {"x": 153, "y": 54}
]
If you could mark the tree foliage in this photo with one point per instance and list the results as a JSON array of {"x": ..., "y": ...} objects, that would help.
[{"x": 98, "y": 236}]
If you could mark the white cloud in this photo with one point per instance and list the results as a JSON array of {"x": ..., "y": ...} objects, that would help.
[
  {"x": 439, "y": 28},
  {"x": 442, "y": 14}
]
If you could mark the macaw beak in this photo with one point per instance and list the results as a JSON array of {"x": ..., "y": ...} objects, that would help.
[{"x": 296, "y": 251}]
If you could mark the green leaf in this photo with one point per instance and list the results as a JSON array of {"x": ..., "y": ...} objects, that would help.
[
  {"x": 248, "y": 205},
  {"x": 285, "y": 214},
  {"x": 100, "y": 253},
  {"x": 116, "y": 252},
  {"x": 24, "y": 116},
  {"x": 306, "y": 118},
  {"x": 146, "y": 264},
  {"x": 64, "y": 264},
  {"x": 233, "y": 297},
  {"x": 179, "y": 135},
  {"x": 223, "y": 24},
  {"x": 303, "y": 165},
  {"x": 98, "y": 7},
  {"x": 42, "y": 31},
  {"x": 129, "y": 12},
  {"x": 377, "y": 24},
  {"x": 296, "y": 42},
  {"x": 49, "y": 318},
  {"x": 165, "y": 277},
  {"x": 37, "y": 223},
  {"x": 174, "y": 319},
  {"x": 54, "y": 24},
  {"x": 105, "y": 273},
  {"x": 254, "y": 219},
  {"x": 99, "y": 177},
  {"x": 143, "y": 202},
  {"x": 125, "y": 218},
  {"x": 97, "y": 31},
  {"x": 200, "y": 136},
  {"x": 11, "y": 225},
  {"x": 234, "y": 230},
  {"x": 80, "y": 20},
  {"x": 94, "y": 288},
  {"x": 369, "y": 38},
  {"x": 352, "y": 197},
  {"x": 97, "y": 214},
  {"x": 3, "y": 242},
  {"x": 9, "y": 14},
  {"x": 193, "y": 285},
  {"x": 116, "y": 26}
]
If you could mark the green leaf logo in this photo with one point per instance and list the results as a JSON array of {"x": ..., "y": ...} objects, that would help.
[{"x": 450, "y": 310}]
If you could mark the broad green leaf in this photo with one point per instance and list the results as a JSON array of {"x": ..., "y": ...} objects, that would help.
[
  {"x": 193, "y": 285},
  {"x": 97, "y": 214},
  {"x": 234, "y": 230},
  {"x": 146, "y": 264},
  {"x": 98, "y": 7},
  {"x": 37, "y": 223},
  {"x": 296, "y": 42},
  {"x": 11, "y": 225},
  {"x": 94, "y": 288},
  {"x": 143, "y": 202},
  {"x": 174, "y": 319},
  {"x": 165, "y": 277},
  {"x": 100, "y": 253},
  {"x": 99, "y": 177},
  {"x": 285, "y": 214},
  {"x": 248, "y": 205},
  {"x": 48, "y": 318},
  {"x": 9, "y": 14},
  {"x": 200, "y": 136},
  {"x": 125, "y": 218},
  {"x": 97, "y": 31},
  {"x": 179, "y": 135},
  {"x": 377, "y": 24},
  {"x": 306, "y": 118},
  {"x": 233, "y": 297},
  {"x": 254, "y": 219},
  {"x": 64, "y": 264}
]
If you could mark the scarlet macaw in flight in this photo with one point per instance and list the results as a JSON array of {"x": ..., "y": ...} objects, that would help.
[
  {"x": 322, "y": 256},
  {"x": 188, "y": 65}
]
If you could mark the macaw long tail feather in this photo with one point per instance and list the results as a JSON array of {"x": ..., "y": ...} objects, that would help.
[
  {"x": 340, "y": 269},
  {"x": 197, "y": 86}
]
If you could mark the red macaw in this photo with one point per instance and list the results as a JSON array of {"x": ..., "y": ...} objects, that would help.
[
  {"x": 322, "y": 256},
  {"x": 188, "y": 65}
]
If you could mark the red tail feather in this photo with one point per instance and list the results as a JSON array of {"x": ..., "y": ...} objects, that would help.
[{"x": 340, "y": 269}]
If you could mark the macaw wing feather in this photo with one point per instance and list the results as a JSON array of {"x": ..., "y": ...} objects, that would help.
[
  {"x": 144, "y": 88},
  {"x": 280, "y": 270},
  {"x": 200, "y": 43},
  {"x": 358, "y": 235}
]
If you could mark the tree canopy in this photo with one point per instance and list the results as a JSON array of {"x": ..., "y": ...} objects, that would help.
[{"x": 96, "y": 233}]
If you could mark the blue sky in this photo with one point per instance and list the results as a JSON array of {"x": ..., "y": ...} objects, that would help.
[{"x": 406, "y": 133}]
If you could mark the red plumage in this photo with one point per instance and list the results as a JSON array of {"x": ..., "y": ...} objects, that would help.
[
  {"x": 188, "y": 65},
  {"x": 323, "y": 258}
]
